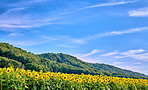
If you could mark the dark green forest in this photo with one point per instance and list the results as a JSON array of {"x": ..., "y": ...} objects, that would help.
[{"x": 18, "y": 58}]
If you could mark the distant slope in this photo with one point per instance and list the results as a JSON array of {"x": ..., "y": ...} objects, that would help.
[
  {"x": 13, "y": 56},
  {"x": 109, "y": 69},
  {"x": 114, "y": 70}
]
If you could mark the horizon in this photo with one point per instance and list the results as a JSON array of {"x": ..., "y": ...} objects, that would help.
[{"x": 112, "y": 32}]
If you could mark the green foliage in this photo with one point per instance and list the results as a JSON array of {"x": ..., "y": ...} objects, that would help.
[
  {"x": 5, "y": 62},
  {"x": 13, "y": 56}
]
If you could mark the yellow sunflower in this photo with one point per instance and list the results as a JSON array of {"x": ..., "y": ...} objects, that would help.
[
  {"x": 89, "y": 81},
  {"x": 8, "y": 70}
]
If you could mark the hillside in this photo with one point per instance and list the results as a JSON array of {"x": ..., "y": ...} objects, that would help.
[
  {"x": 13, "y": 56},
  {"x": 109, "y": 69}
]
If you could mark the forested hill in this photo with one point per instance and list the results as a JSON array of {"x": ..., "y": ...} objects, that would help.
[
  {"x": 16, "y": 57},
  {"x": 71, "y": 60}
]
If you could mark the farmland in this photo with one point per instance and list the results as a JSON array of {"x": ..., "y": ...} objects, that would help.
[{"x": 11, "y": 78}]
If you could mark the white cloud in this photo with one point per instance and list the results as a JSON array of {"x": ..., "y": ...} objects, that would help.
[
  {"x": 12, "y": 34},
  {"x": 140, "y": 69},
  {"x": 31, "y": 25},
  {"x": 110, "y": 54},
  {"x": 77, "y": 41},
  {"x": 28, "y": 42},
  {"x": 131, "y": 52},
  {"x": 91, "y": 53},
  {"x": 26, "y": 3},
  {"x": 87, "y": 56},
  {"x": 133, "y": 30},
  {"x": 13, "y": 17},
  {"x": 65, "y": 46},
  {"x": 88, "y": 59},
  {"x": 108, "y": 4},
  {"x": 139, "y": 54},
  {"x": 114, "y": 33},
  {"x": 138, "y": 63},
  {"x": 72, "y": 42},
  {"x": 115, "y": 63},
  {"x": 142, "y": 12},
  {"x": 11, "y": 10},
  {"x": 15, "y": 34},
  {"x": 61, "y": 41}
]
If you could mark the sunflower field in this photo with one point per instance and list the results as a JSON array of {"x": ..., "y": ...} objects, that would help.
[{"x": 20, "y": 79}]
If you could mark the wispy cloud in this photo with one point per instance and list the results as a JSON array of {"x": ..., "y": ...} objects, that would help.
[
  {"x": 142, "y": 12},
  {"x": 8, "y": 12},
  {"x": 61, "y": 41},
  {"x": 87, "y": 56},
  {"x": 110, "y": 54},
  {"x": 15, "y": 18},
  {"x": 108, "y": 4},
  {"x": 135, "y": 54},
  {"x": 28, "y": 42},
  {"x": 116, "y": 63},
  {"x": 21, "y": 25},
  {"x": 12, "y": 34},
  {"x": 91, "y": 53},
  {"x": 140, "y": 69},
  {"x": 65, "y": 46},
  {"x": 26, "y": 3},
  {"x": 127, "y": 31},
  {"x": 115, "y": 33},
  {"x": 139, "y": 54},
  {"x": 10, "y": 19},
  {"x": 70, "y": 42},
  {"x": 138, "y": 63},
  {"x": 15, "y": 34}
]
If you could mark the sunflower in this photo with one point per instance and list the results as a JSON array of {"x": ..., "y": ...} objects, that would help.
[
  {"x": 47, "y": 78},
  {"x": 64, "y": 77},
  {"x": 58, "y": 74},
  {"x": 1, "y": 72},
  {"x": 100, "y": 80},
  {"x": 101, "y": 76},
  {"x": 77, "y": 80},
  {"x": 80, "y": 79},
  {"x": 8, "y": 70},
  {"x": 47, "y": 74},
  {"x": 78, "y": 76},
  {"x": 60, "y": 80},
  {"x": 43, "y": 77},
  {"x": 84, "y": 80},
  {"x": 20, "y": 74},
  {"x": 36, "y": 75},
  {"x": 94, "y": 80},
  {"x": 36, "y": 78},
  {"x": 30, "y": 74},
  {"x": 89, "y": 81},
  {"x": 110, "y": 80},
  {"x": 72, "y": 79},
  {"x": 82, "y": 74},
  {"x": 52, "y": 76}
]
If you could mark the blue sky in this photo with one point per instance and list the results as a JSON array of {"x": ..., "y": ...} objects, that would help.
[{"x": 100, "y": 31}]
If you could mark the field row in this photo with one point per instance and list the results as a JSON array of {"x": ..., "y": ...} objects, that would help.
[{"x": 11, "y": 78}]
